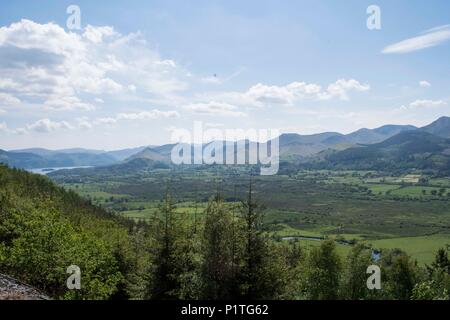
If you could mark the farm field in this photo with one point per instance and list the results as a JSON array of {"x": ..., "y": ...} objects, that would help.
[{"x": 410, "y": 212}]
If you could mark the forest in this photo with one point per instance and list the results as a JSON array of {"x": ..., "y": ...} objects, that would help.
[{"x": 223, "y": 252}]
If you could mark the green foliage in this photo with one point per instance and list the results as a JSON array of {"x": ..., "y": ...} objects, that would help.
[
  {"x": 225, "y": 252},
  {"x": 260, "y": 277},
  {"x": 400, "y": 274},
  {"x": 323, "y": 273},
  {"x": 222, "y": 251},
  {"x": 166, "y": 231},
  {"x": 355, "y": 276},
  {"x": 44, "y": 230},
  {"x": 437, "y": 284}
]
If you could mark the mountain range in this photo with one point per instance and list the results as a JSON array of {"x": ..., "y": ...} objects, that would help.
[
  {"x": 43, "y": 158},
  {"x": 296, "y": 147},
  {"x": 390, "y": 145}
]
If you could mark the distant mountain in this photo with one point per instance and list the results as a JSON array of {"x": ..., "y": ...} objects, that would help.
[
  {"x": 289, "y": 138},
  {"x": 161, "y": 153},
  {"x": 44, "y": 159},
  {"x": 45, "y": 152},
  {"x": 440, "y": 127},
  {"x": 41, "y": 158},
  {"x": 293, "y": 148},
  {"x": 121, "y": 155},
  {"x": 22, "y": 160},
  {"x": 296, "y": 147},
  {"x": 406, "y": 150},
  {"x": 369, "y": 136}
]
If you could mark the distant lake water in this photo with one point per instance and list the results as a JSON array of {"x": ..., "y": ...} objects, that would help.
[{"x": 45, "y": 171}]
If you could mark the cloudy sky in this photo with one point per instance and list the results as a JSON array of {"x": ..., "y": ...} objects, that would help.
[{"x": 136, "y": 70}]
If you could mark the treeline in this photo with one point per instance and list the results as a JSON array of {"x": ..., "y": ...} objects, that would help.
[
  {"x": 44, "y": 229},
  {"x": 221, "y": 253},
  {"x": 227, "y": 255}
]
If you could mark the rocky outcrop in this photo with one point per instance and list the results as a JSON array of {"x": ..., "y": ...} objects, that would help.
[{"x": 12, "y": 289}]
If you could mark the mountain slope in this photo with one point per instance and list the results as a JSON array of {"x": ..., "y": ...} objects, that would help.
[
  {"x": 57, "y": 228},
  {"x": 406, "y": 150},
  {"x": 296, "y": 147},
  {"x": 22, "y": 160},
  {"x": 440, "y": 127},
  {"x": 161, "y": 153},
  {"x": 42, "y": 158},
  {"x": 47, "y": 158}
]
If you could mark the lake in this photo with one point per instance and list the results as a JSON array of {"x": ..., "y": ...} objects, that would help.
[{"x": 45, "y": 171}]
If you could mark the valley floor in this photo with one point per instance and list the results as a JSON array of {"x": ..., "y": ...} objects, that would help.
[{"x": 410, "y": 212}]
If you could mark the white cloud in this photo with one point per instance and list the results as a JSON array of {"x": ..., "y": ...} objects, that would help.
[
  {"x": 424, "y": 104},
  {"x": 46, "y": 125},
  {"x": 215, "y": 109},
  {"x": 96, "y": 34},
  {"x": 270, "y": 94},
  {"x": 45, "y": 65},
  {"x": 85, "y": 125},
  {"x": 3, "y": 127},
  {"x": 67, "y": 103},
  {"x": 424, "y": 84},
  {"x": 169, "y": 63},
  {"x": 107, "y": 120},
  {"x": 8, "y": 100},
  {"x": 429, "y": 38},
  {"x": 342, "y": 87},
  {"x": 261, "y": 94},
  {"x": 144, "y": 115}
]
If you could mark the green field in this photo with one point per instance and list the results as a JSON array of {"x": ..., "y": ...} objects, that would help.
[
  {"x": 421, "y": 248},
  {"x": 410, "y": 212}
]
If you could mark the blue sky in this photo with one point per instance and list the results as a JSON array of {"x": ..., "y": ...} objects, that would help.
[{"x": 137, "y": 70}]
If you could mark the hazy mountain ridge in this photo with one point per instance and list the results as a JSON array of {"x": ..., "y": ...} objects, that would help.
[
  {"x": 407, "y": 150},
  {"x": 76, "y": 157},
  {"x": 301, "y": 147},
  {"x": 327, "y": 147}
]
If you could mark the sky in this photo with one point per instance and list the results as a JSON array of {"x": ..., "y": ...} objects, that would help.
[{"x": 134, "y": 72}]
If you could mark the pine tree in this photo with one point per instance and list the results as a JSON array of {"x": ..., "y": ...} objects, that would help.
[
  {"x": 164, "y": 282},
  {"x": 218, "y": 270},
  {"x": 257, "y": 280}
]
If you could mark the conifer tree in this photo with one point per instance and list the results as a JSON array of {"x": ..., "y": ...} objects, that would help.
[
  {"x": 218, "y": 269},
  {"x": 164, "y": 282}
]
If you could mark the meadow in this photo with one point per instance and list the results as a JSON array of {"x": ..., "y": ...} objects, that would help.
[{"x": 410, "y": 212}]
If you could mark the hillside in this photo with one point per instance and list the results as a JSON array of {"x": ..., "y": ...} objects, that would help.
[
  {"x": 45, "y": 158},
  {"x": 440, "y": 127},
  {"x": 295, "y": 147},
  {"x": 64, "y": 230},
  {"x": 407, "y": 150},
  {"x": 77, "y": 157}
]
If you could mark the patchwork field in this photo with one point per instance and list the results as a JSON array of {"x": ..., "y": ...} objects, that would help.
[{"x": 410, "y": 212}]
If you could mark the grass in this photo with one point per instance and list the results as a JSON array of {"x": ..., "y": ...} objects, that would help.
[
  {"x": 382, "y": 188},
  {"x": 422, "y": 249},
  {"x": 413, "y": 191},
  {"x": 386, "y": 211}
]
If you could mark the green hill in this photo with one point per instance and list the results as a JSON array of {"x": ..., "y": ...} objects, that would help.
[
  {"x": 44, "y": 229},
  {"x": 404, "y": 151},
  {"x": 440, "y": 127}
]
